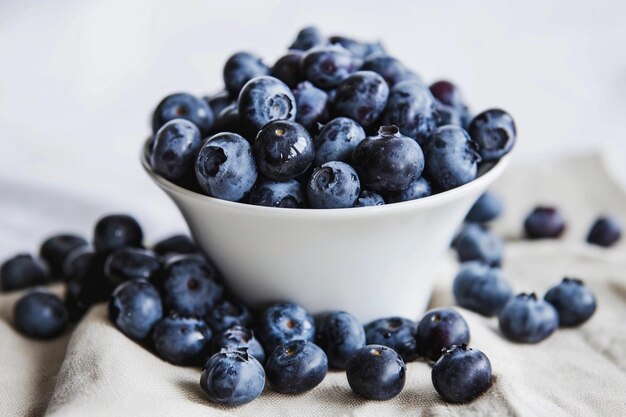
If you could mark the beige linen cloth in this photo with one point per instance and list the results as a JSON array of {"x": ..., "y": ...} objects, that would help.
[{"x": 97, "y": 371}]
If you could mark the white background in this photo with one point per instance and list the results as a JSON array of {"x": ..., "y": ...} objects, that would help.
[{"x": 79, "y": 79}]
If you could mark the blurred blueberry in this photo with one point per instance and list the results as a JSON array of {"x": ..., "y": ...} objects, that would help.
[
  {"x": 362, "y": 97},
  {"x": 182, "y": 340},
  {"x": 86, "y": 282},
  {"x": 447, "y": 115},
  {"x": 488, "y": 207},
  {"x": 174, "y": 149},
  {"x": 376, "y": 372},
  {"x": 494, "y": 131},
  {"x": 390, "y": 68},
  {"x": 131, "y": 263},
  {"x": 411, "y": 107},
  {"x": 337, "y": 140},
  {"x": 239, "y": 337},
  {"x": 605, "y": 232},
  {"x": 307, "y": 38},
  {"x": 573, "y": 300},
  {"x": 397, "y": 333},
  {"x": 327, "y": 66},
  {"x": 369, "y": 198},
  {"x": 462, "y": 374},
  {"x": 311, "y": 104},
  {"x": 287, "y": 68},
  {"x": 480, "y": 288},
  {"x": 226, "y": 314},
  {"x": 175, "y": 245},
  {"x": 241, "y": 68},
  {"x": 476, "y": 243},
  {"x": 135, "y": 308},
  {"x": 228, "y": 120},
  {"x": 40, "y": 314},
  {"x": 116, "y": 231},
  {"x": 525, "y": 319},
  {"x": 544, "y": 223},
  {"x": 340, "y": 334},
  {"x": 55, "y": 249},
  {"x": 417, "y": 189},
  {"x": 183, "y": 106},
  {"x": 296, "y": 366},
  {"x": 285, "y": 194},
  {"x": 22, "y": 271},
  {"x": 333, "y": 185},
  {"x": 265, "y": 99},
  {"x": 447, "y": 93},
  {"x": 357, "y": 48},
  {"x": 284, "y": 322},
  {"x": 440, "y": 328},
  {"x": 219, "y": 101}
]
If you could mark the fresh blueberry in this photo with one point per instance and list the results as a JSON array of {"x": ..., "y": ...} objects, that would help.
[
  {"x": 55, "y": 249},
  {"x": 284, "y": 322},
  {"x": 411, "y": 107},
  {"x": 494, "y": 131},
  {"x": 362, "y": 97},
  {"x": 440, "y": 328},
  {"x": 190, "y": 286},
  {"x": 86, "y": 281},
  {"x": 175, "y": 245},
  {"x": 183, "y": 106},
  {"x": 476, "y": 243},
  {"x": 358, "y": 49},
  {"x": 174, "y": 148},
  {"x": 226, "y": 314},
  {"x": 131, "y": 263},
  {"x": 525, "y": 319},
  {"x": 480, "y": 288},
  {"x": 22, "y": 271},
  {"x": 182, "y": 340},
  {"x": 40, "y": 314},
  {"x": 544, "y": 223},
  {"x": 219, "y": 101},
  {"x": 307, "y": 38},
  {"x": 283, "y": 150},
  {"x": 333, "y": 185},
  {"x": 488, "y": 207},
  {"x": 337, "y": 140},
  {"x": 228, "y": 120},
  {"x": 264, "y": 99},
  {"x": 225, "y": 167},
  {"x": 340, "y": 334},
  {"x": 311, "y": 103},
  {"x": 376, "y": 372},
  {"x": 232, "y": 377},
  {"x": 296, "y": 366},
  {"x": 116, "y": 231},
  {"x": 239, "y": 337},
  {"x": 287, "y": 69},
  {"x": 451, "y": 157},
  {"x": 573, "y": 300},
  {"x": 448, "y": 94},
  {"x": 369, "y": 198},
  {"x": 241, "y": 68},
  {"x": 447, "y": 115},
  {"x": 462, "y": 374},
  {"x": 135, "y": 308},
  {"x": 270, "y": 193},
  {"x": 397, "y": 333},
  {"x": 391, "y": 69},
  {"x": 419, "y": 188},
  {"x": 327, "y": 66},
  {"x": 605, "y": 232},
  {"x": 389, "y": 161}
]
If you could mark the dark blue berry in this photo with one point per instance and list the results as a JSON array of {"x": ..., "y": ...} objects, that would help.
[
  {"x": 419, "y": 188},
  {"x": 285, "y": 194},
  {"x": 447, "y": 93},
  {"x": 116, "y": 231},
  {"x": 241, "y": 68},
  {"x": 369, "y": 198},
  {"x": 264, "y": 99},
  {"x": 239, "y": 337},
  {"x": 488, "y": 207},
  {"x": 226, "y": 314},
  {"x": 525, "y": 319},
  {"x": 391, "y": 69},
  {"x": 87, "y": 283},
  {"x": 219, "y": 101},
  {"x": 131, "y": 263},
  {"x": 284, "y": 322},
  {"x": 480, "y": 288},
  {"x": 358, "y": 49},
  {"x": 476, "y": 243},
  {"x": 494, "y": 131},
  {"x": 135, "y": 308},
  {"x": 228, "y": 120},
  {"x": 174, "y": 149},
  {"x": 182, "y": 340},
  {"x": 175, "y": 245},
  {"x": 183, "y": 106},
  {"x": 22, "y": 271},
  {"x": 376, "y": 372},
  {"x": 397, "y": 333},
  {"x": 544, "y": 223},
  {"x": 307, "y": 38},
  {"x": 337, "y": 140},
  {"x": 340, "y": 334},
  {"x": 287, "y": 69},
  {"x": 362, "y": 97},
  {"x": 311, "y": 104},
  {"x": 440, "y": 328},
  {"x": 40, "y": 314},
  {"x": 605, "y": 232},
  {"x": 327, "y": 66},
  {"x": 55, "y": 249},
  {"x": 411, "y": 107},
  {"x": 333, "y": 185},
  {"x": 462, "y": 374},
  {"x": 574, "y": 302},
  {"x": 296, "y": 366},
  {"x": 447, "y": 115}
]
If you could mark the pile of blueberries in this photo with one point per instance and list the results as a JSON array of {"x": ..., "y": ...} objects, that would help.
[{"x": 335, "y": 123}]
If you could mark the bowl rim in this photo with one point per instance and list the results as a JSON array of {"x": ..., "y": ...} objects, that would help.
[{"x": 492, "y": 172}]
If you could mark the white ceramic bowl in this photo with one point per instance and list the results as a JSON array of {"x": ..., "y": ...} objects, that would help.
[{"x": 370, "y": 261}]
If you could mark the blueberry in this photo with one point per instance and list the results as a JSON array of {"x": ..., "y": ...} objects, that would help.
[
  {"x": 131, "y": 263},
  {"x": 475, "y": 243},
  {"x": 175, "y": 245},
  {"x": 376, "y": 372},
  {"x": 369, "y": 198},
  {"x": 391, "y": 69},
  {"x": 605, "y": 232},
  {"x": 116, "y": 231},
  {"x": 494, "y": 131},
  {"x": 389, "y": 161},
  {"x": 358, "y": 49},
  {"x": 525, "y": 319},
  {"x": 327, "y": 66},
  {"x": 296, "y": 366},
  {"x": 40, "y": 314},
  {"x": 183, "y": 106},
  {"x": 190, "y": 286},
  {"x": 411, "y": 107},
  {"x": 419, "y": 188},
  {"x": 287, "y": 68},
  {"x": 55, "y": 249},
  {"x": 182, "y": 340},
  {"x": 340, "y": 334},
  {"x": 574, "y": 302},
  {"x": 333, "y": 185},
  {"x": 307, "y": 38},
  {"x": 264, "y": 99},
  {"x": 440, "y": 328},
  {"x": 362, "y": 97},
  {"x": 462, "y": 374},
  {"x": 451, "y": 157},
  {"x": 239, "y": 337},
  {"x": 544, "y": 223},
  {"x": 397, "y": 333},
  {"x": 337, "y": 140},
  {"x": 135, "y": 308},
  {"x": 480, "y": 288},
  {"x": 447, "y": 115},
  {"x": 241, "y": 68},
  {"x": 232, "y": 377},
  {"x": 225, "y": 167},
  {"x": 86, "y": 281},
  {"x": 284, "y": 322},
  {"x": 22, "y": 271},
  {"x": 447, "y": 93},
  {"x": 285, "y": 194},
  {"x": 311, "y": 104},
  {"x": 283, "y": 150},
  {"x": 226, "y": 314},
  {"x": 174, "y": 148},
  {"x": 228, "y": 120},
  {"x": 488, "y": 207},
  {"x": 219, "y": 101}
]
